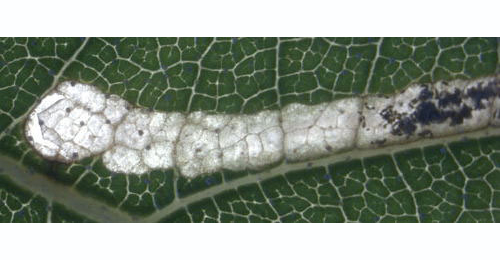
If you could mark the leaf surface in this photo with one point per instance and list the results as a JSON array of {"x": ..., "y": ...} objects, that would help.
[{"x": 446, "y": 181}]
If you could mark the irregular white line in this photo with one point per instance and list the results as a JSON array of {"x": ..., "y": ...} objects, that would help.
[{"x": 372, "y": 67}]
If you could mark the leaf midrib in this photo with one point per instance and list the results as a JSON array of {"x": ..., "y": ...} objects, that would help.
[
  {"x": 41, "y": 185},
  {"x": 101, "y": 212},
  {"x": 285, "y": 167}
]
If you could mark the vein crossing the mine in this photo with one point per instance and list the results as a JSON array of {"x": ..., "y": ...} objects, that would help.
[{"x": 77, "y": 120}]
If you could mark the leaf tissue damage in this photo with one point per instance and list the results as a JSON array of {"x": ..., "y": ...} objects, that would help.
[
  {"x": 71, "y": 124},
  {"x": 199, "y": 119}
]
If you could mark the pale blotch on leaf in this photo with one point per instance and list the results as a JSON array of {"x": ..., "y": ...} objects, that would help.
[{"x": 76, "y": 121}]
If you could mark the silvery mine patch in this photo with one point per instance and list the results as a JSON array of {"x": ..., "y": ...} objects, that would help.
[{"x": 77, "y": 120}]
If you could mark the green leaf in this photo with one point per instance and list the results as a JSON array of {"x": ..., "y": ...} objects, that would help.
[
  {"x": 446, "y": 180},
  {"x": 20, "y": 205}
]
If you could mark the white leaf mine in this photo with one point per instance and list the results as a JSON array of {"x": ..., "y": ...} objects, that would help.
[{"x": 77, "y": 120}]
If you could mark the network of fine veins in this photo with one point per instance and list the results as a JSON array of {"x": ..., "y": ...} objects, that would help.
[{"x": 77, "y": 120}]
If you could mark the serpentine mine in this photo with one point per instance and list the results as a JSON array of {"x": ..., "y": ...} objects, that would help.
[{"x": 77, "y": 120}]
